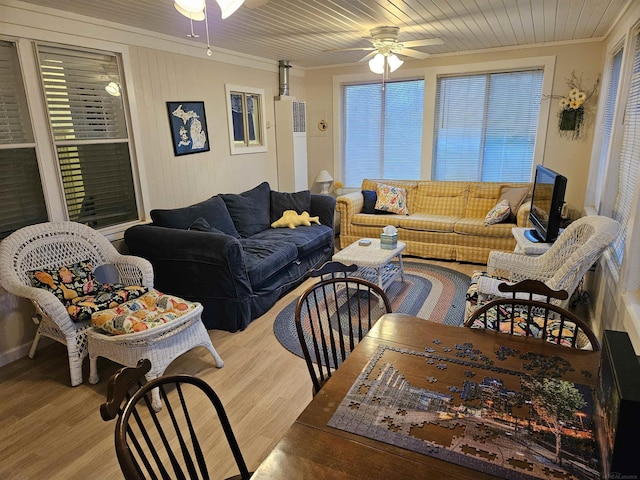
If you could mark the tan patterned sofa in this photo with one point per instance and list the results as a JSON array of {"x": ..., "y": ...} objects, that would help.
[{"x": 445, "y": 221}]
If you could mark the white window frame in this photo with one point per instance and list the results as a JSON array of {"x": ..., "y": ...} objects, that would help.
[
  {"x": 547, "y": 64},
  {"x": 235, "y": 147},
  {"x": 51, "y": 178},
  {"x": 430, "y": 75}
]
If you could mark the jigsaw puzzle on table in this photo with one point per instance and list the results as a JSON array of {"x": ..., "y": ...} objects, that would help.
[{"x": 490, "y": 418}]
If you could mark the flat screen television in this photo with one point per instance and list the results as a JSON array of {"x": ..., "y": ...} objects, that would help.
[{"x": 546, "y": 205}]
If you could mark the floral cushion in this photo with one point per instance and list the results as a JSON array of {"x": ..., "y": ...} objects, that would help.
[
  {"x": 536, "y": 326},
  {"x": 106, "y": 295},
  {"x": 148, "y": 311},
  {"x": 391, "y": 199},
  {"x": 499, "y": 213},
  {"x": 65, "y": 282}
]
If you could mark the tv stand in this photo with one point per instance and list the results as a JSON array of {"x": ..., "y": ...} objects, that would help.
[
  {"x": 526, "y": 246},
  {"x": 532, "y": 235}
]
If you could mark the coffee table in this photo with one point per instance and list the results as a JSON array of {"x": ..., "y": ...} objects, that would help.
[{"x": 373, "y": 262}]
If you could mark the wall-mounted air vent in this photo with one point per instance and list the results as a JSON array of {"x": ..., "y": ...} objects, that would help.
[{"x": 299, "y": 116}]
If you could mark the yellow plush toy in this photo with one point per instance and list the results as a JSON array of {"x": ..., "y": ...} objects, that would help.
[{"x": 291, "y": 219}]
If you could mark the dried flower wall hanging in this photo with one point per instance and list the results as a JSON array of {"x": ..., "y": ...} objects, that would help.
[{"x": 571, "y": 115}]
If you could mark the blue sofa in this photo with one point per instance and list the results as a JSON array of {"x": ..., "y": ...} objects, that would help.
[{"x": 223, "y": 253}]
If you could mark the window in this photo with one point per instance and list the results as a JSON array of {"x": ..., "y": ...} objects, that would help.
[
  {"x": 486, "y": 125},
  {"x": 21, "y": 195},
  {"x": 628, "y": 159},
  {"x": 246, "y": 124},
  {"x": 87, "y": 119},
  {"x": 382, "y": 131}
]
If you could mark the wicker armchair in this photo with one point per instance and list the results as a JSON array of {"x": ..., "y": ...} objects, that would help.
[
  {"x": 562, "y": 267},
  {"x": 51, "y": 245}
]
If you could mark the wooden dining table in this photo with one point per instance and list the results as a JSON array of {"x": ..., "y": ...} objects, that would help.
[{"x": 311, "y": 449}]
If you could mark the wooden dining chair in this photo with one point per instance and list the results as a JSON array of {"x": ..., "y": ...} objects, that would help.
[
  {"x": 331, "y": 317},
  {"x": 530, "y": 312},
  {"x": 332, "y": 270},
  {"x": 166, "y": 443}
]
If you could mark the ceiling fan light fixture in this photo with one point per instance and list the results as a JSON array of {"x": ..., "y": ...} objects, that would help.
[
  {"x": 229, "y": 6},
  {"x": 376, "y": 64},
  {"x": 193, "y": 9},
  {"x": 394, "y": 62}
]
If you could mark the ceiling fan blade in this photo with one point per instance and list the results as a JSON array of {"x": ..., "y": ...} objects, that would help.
[
  {"x": 423, "y": 43},
  {"x": 368, "y": 56},
  {"x": 413, "y": 53},
  {"x": 349, "y": 49}
]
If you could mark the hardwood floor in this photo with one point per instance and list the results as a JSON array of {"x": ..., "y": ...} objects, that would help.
[{"x": 50, "y": 430}]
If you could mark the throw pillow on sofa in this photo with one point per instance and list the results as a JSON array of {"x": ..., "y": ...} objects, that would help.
[
  {"x": 498, "y": 214},
  {"x": 515, "y": 196},
  {"x": 369, "y": 206},
  {"x": 214, "y": 211},
  {"x": 392, "y": 199},
  {"x": 249, "y": 210},
  {"x": 282, "y": 201},
  {"x": 201, "y": 225}
]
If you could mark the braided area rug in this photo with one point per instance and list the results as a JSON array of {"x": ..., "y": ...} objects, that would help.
[{"x": 434, "y": 293}]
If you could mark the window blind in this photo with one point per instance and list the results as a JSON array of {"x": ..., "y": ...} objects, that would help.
[
  {"x": 629, "y": 154},
  {"x": 21, "y": 196},
  {"x": 90, "y": 133},
  {"x": 486, "y": 126},
  {"x": 382, "y": 131}
]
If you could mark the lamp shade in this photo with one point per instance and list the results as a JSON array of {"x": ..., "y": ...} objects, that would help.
[
  {"x": 324, "y": 176},
  {"x": 229, "y": 6},
  {"x": 394, "y": 62},
  {"x": 376, "y": 64}
]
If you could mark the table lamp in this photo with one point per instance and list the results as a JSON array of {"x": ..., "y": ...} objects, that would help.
[{"x": 324, "y": 178}]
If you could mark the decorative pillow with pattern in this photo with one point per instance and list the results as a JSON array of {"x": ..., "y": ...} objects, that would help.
[
  {"x": 67, "y": 281},
  {"x": 391, "y": 199},
  {"x": 498, "y": 214},
  {"x": 152, "y": 309},
  {"x": 535, "y": 327},
  {"x": 107, "y": 295}
]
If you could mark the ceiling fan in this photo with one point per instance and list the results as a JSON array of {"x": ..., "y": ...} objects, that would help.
[{"x": 384, "y": 41}]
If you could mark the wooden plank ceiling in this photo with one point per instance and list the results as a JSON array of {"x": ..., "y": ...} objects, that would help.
[{"x": 302, "y": 31}]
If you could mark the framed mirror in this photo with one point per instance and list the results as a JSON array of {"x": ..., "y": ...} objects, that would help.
[{"x": 246, "y": 117}]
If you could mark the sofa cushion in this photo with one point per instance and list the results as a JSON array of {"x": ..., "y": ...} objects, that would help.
[
  {"x": 281, "y": 201},
  {"x": 369, "y": 206},
  {"x": 515, "y": 196},
  {"x": 201, "y": 225},
  {"x": 366, "y": 219},
  {"x": 392, "y": 199},
  {"x": 264, "y": 257},
  {"x": 429, "y": 223},
  {"x": 213, "y": 210},
  {"x": 249, "y": 210},
  {"x": 306, "y": 239},
  {"x": 476, "y": 227},
  {"x": 442, "y": 198}
]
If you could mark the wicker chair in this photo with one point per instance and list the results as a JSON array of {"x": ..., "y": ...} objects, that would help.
[
  {"x": 51, "y": 245},
  {"x": 152, "y": 443},
  {"x": 562, "y": 267},
  {"x": 526, "y": 314}
]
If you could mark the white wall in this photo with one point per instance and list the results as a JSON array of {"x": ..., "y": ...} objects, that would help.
[
  {"x": 567, "y": 156},
  {"x": 157, "y": 69},
  {"x": 616, "y": 298}
]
